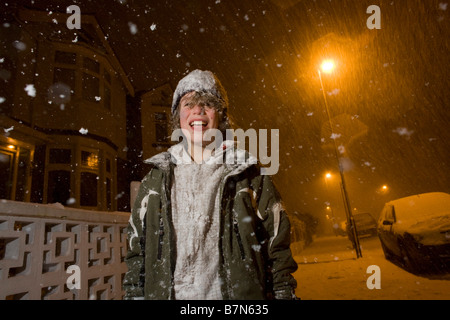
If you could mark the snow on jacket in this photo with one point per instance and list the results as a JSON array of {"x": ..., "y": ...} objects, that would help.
[{"x": 255, "y": 258}]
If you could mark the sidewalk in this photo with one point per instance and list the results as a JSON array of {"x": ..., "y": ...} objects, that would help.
[{"x": 329, "y": 270}]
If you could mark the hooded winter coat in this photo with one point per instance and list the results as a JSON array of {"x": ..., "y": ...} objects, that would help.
[{"x": 254, "y": 233}]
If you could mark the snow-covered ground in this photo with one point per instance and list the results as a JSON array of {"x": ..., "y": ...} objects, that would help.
[{"x": 328, "y": 270}]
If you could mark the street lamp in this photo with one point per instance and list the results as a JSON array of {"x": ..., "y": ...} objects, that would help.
[
  {"x": 384, "y": 189},
  {"x": 327, "y": 67}
]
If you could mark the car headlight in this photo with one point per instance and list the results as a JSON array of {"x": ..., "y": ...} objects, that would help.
[{"x": 446, "y": 235}]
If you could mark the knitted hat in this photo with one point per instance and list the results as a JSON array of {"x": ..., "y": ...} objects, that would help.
[{"x": 200, "y": 81}]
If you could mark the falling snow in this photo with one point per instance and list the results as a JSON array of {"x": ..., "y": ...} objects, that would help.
[
  {"x": 391, "y": 83},
  {"x": 31, "y": 91},
  {"x": 83, "y": 131},
  {"x": 404, "y": 131},
  {"x": 133, "y": 28},
  {"x": 443, "y": 6}
]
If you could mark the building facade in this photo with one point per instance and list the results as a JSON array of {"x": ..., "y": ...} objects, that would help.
[{"x": 63, "y": 114}]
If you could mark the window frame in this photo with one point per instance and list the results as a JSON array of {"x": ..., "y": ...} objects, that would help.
[{"x": 103, "y": 74}]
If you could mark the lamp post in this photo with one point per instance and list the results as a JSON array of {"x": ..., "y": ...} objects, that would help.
[
  {"x": 333, "y": 218},
  {"x": 328, "y": 66}
]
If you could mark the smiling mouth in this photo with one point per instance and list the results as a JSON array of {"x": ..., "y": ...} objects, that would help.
[{"x": 198, "y": 123}]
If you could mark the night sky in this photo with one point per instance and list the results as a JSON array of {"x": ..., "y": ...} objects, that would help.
[{"x": 388, "y": 96}]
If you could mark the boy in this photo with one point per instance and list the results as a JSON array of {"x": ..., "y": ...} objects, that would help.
[{"x": 206, "y": 224}]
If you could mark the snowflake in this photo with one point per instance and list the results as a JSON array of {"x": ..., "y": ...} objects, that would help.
[{"x": 31, "y": 91}]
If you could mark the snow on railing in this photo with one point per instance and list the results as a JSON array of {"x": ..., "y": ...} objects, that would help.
[{"x": 56, "y": 252}]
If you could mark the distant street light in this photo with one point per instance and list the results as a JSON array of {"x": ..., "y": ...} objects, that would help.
[
  {"x": 384, "y": 189},
  {"x": 333, "y": 220},
  {"x": 327, "y": 67}
]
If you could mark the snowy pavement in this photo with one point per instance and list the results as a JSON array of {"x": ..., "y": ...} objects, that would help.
[{"x": 328, "y": 270}]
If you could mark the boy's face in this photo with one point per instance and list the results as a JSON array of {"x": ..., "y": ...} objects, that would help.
[{"x": 196, "y": 118}]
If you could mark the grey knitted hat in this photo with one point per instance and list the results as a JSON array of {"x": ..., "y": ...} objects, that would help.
[{"x": 200, "y": 81}]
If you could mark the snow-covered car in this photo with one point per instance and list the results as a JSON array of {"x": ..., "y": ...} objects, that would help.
[
  {"x": 366, "y": 225},
  {"x": 415, "y": 231}
]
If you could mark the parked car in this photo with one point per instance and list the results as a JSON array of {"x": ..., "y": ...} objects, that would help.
[
  {"x": 366, "y": 225},
  {"x": 415, "y": 231}
]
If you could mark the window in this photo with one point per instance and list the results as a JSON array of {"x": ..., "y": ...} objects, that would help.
[
  {"x": 64, "y": 77},
  {"x": 109, "y": 182},
  {"x": 70, "y": 70},
  {"x": 63, "y": 83},
  {"x": 89, "y": 177},
  {"x": 91, "y": 80},
  {"x": 107, "y": 98},
  {"x": 91, "y": 88},
  {"x": 86, "y": 176},
  {"x": 91, "y": 65},
  {"x": 6, "y": 173},
  {"x": 89, "y": 160},
  {"x": 58, "y": 189},
  {"x": 7, "y": 83},
  {"x": 88, "y": 189},
  {"x": 390, "y": 214},
  {"x": 60, "y": 156},
  {"x": 59, "y": 177},
  {"x": 65, "y": 57},
  {"x": 22, "y": 174},
  {"x": 15, "y": 162},
  {"x": 107, "y": 76}
]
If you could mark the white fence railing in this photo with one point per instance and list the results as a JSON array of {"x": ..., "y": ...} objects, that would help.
[{"x": 56, "y": 252}]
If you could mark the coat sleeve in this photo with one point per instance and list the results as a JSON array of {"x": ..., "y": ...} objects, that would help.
[
  {"x": 277, "y": 225},
  {"x": 133, "y": 282}
]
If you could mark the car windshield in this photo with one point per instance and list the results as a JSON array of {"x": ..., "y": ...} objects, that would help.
[{"x": 363, "y": 217}]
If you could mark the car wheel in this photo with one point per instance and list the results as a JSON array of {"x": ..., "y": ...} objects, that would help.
[
  {"x": 409, "y": 259},
  {"x": 387, "y": 253}
]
